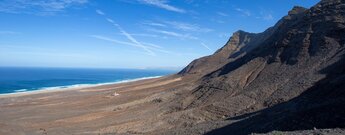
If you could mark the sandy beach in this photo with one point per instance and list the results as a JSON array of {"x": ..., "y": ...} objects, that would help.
[
  {"x": 73, "y": 87},
  {"x": 132, "y": 107}
]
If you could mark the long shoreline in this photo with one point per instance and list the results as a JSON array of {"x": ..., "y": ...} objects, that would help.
[
  {"x": 73, "y": 87},
  {"x": 102, "y": 109}
]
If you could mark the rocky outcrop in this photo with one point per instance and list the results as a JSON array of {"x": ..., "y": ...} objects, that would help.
[
  {"x": 237, "y": 45},
  {"x": 289, "y": 77}
]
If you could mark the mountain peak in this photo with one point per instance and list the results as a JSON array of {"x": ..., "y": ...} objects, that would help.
[
  {"x": 295, "y": 67},
  {"x": 239, "y": 32},
  {"x": 296, "y": 10}
]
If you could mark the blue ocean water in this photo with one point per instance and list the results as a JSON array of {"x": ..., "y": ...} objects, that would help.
[{"x": 13, "y": 80}]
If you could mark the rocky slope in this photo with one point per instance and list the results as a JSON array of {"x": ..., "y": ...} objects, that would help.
[{"x": 289, "y": 77}]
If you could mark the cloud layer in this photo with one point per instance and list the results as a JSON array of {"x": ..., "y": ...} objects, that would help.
[
  {"x": 40, "y": 7},
  {"x": 162, "y": 4},
  {"x": 149, "y": 48}
]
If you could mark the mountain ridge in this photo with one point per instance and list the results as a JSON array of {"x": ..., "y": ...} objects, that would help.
[{"x": 282, "y": 68}]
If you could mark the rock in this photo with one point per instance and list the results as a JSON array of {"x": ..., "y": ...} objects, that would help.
[
  {"x": 115, "y": 94},
  {"x": 289, "y": 77}
]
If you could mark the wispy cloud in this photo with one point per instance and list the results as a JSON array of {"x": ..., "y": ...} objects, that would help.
[
  {"x": 110, "y": 20},
  {"x": 204, "y": 45},
  {"x": 142, "y": 35},
  {"x": 223, "y": 35},
  {"x": 174, "y": 34},
  {"x": 265, "y": 15},
  {"x": 113, "y": 40},
  {"x": 151, "y": 46},
  {"x": 121, "y": 42},
  {"x": 218, "y": 21},
  {"x": 187, "y": 27},
  {"x": 133, "y": 41},
  {"x": 38, "y": 7},
  {"x": 180, "y": 30},
  {"x": 99, "y": 12},
  {"x": 222, "y": 14},
  {"x": 244, "y": 12},
  {"x": 154, "y": 24},
  {"x": 9, "y": 32},
  {"x": 164, "y": 4}
]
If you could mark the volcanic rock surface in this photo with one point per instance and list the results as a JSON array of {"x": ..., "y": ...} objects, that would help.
[{"x": 289, "y": 77}]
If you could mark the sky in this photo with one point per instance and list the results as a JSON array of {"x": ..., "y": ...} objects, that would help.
[{"x": 127, "y": 33}]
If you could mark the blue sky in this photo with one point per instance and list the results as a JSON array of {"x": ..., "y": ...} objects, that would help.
[{"x": 127, "y": 33}]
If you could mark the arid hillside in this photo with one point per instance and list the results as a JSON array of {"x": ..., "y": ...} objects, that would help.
[{"x": 289, "y": 79}]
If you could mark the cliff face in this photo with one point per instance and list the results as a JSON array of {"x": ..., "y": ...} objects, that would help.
[
  {"x": 239, "y": 44},
  {"x": 293, "y": 73},
  {"x": 205, "y": 65}
]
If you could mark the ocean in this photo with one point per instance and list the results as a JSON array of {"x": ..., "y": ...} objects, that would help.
[{"x": 15, "y": 80}]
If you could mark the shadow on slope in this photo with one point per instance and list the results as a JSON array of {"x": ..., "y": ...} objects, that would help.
[{"x": 321, "y": 106}]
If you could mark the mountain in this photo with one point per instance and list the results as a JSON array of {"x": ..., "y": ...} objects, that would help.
[{"x": 289, "y": 77}]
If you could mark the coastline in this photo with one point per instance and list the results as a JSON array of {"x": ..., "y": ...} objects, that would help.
[
  {"x": 74, "y": 87},
  {"x": 90, "y": 110}
]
